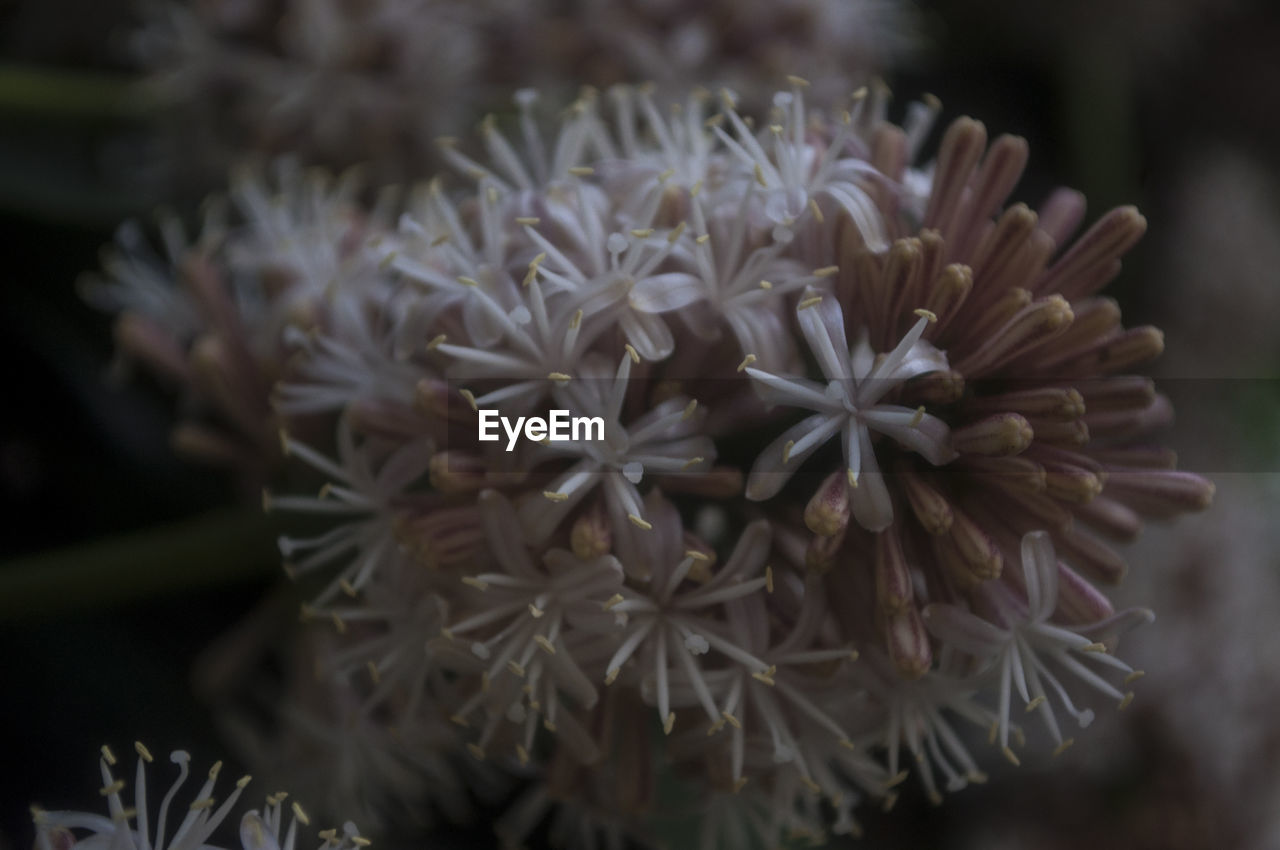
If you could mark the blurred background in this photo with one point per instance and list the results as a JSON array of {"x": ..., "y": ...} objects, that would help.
[{"x": 122, "y": 564}]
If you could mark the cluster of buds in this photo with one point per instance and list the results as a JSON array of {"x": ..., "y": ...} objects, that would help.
[{"x": 925, "y": 543}]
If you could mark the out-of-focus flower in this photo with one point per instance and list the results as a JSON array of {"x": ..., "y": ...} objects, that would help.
[
  {"x": 745, "y": 46},
  {"x": 259, "y": 830},
  {"x": 342, "y": 83},
  {"x": 219, "y": 316},
  {"x": 332, "y": 81}
]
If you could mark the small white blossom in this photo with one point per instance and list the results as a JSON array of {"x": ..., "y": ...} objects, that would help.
[
  {"x": 1023, "y": 649},
  {"x": 850, "y": 404}
]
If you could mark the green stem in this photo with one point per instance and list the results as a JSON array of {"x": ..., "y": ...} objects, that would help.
[
  {"x": 70, "y": 94},
  {"x": 213, "y": 549}
]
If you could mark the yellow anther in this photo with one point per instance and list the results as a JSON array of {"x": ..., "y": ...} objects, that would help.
[
  {"x": 536, "y": 612},
  {"x": 759, "y": 172},
  {"x": 1011, "y": 756},
  {"x": 468, "y": 281},
  {"x": 674, "y": 236},
  {"x": 575, "y": 321},
  {"x": 108, "y": 756},
  {"x": 632, "y": 353},
  {"x": 1124, "y": 703},
  {"x": 559, "y": 377},
  {"x": 669, "y": 723},
  {"x": 851, "y": 477},
  {"x": 582, "y": 171},
  {"x": 243, "y": 781},
  {"x": 926, "y": 314},
  {"x": 1061, "y": 748},
  {"x": 516, "y": 669},
  {"x": 640, "y": 523},
  {"x": 612, "y": 601},
  {"x": 733, "y": 721},
  {"x": 470, "y": 397},
  {"x": 1134, "y": 676},
  {"x": 642, "y": 233},
  {"x": 348, "y": 588},
  {"x": 476, "y": 751},
  {"x": 817, "y": 213},
  {"x": 215, "y": 770},
  {"x": 528, "y": 220},
  {"x": 206, "y": 803},
  {"x": 477, "y": 583},
  {"x": 746, "y": 361},
  {"x": 766, "y": 285},
  {"x": 768, "y": 579},
  {"x": 436, "y": 342},
  {"x": 522, "y": 754},
  {"x": 611, "y": 675},
  {"x": 688, "y": 410},
  {"x": 813, "y": 301},
  {"x": 553, "y": 496},
  {"x": 114, "y": 788},
  {"x": 786, "y": 451},
  {"x": 544, "y": 644},
  {"x": 703, "y": 239},
  {"x": 798, "y": 82},
  {"x": 691, "y": 463},
  {"x": 826, "y": 271},
  {"x": 695, "y": 555},
  {"x": 917, "y": 417},
  {"x": 1035, "y": 703}
]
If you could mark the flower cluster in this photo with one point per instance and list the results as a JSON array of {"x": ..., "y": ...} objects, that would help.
[{"x": 791, "y": 617}]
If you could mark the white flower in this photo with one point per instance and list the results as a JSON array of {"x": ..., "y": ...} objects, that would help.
[
  {"x": 519, "y": 623},
  {"x": 799, "y": 176},
  {"x": 1024, "y": 649},
  {"x": 661, "y": 441},
  {"x": 364, "y": 488},
  {"x": 200, "y": 818},
  {"x": 778, "y": 704},
  {"x": 915, "y": 714},
  {"x": 850, "y": 404},
  {"x": 670, "y": 623}
]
